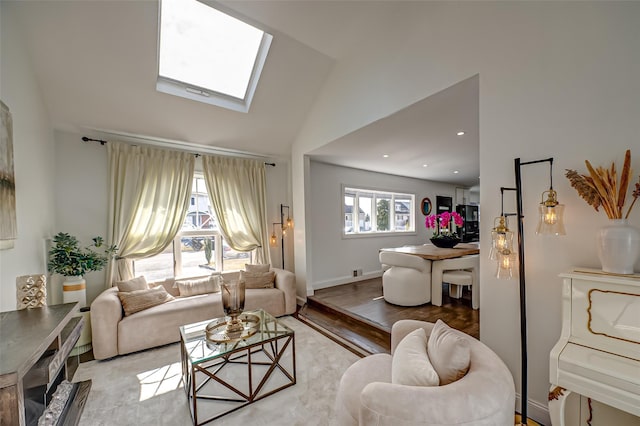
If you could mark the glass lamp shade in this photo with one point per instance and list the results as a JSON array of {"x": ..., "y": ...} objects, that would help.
[
  {"x": 273, "y": 240},
  {"x": 500, "y": 241},
  {"x": 551, "y": 220},
  {"x": 506, "y": 265}
]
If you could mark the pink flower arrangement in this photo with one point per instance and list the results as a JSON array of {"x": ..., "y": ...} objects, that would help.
[{"x": 443, "y": 220}]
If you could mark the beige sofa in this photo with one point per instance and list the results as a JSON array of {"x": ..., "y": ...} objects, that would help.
[{"x": 116, "y": 334}]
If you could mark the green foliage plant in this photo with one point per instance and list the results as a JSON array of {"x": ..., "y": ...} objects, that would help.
[{"x": 67, "y": 258}]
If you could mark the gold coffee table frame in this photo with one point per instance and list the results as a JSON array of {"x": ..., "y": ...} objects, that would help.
[{"x": 270, "y": 345}]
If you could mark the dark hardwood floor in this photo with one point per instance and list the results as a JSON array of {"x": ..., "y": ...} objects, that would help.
[{"x": 358, "y": 314}]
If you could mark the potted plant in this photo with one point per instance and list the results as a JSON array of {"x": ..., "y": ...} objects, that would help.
[
  {"x": 443, "y": 236},
  {"x": 67, "y": 258}
]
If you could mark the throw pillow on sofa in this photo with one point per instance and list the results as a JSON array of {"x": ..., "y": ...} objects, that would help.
[
  {"x": 169, "y": 284},
  {"x": 449, "y": 353},
  {"x": 139, "y": 300},
  {"x": 257, "y": 267},
  {"x": 258, "y": 279},
  {"x": 410, "y": 364},
  {"x": 138, "y": 283},
  {"x": 210, "y": 284}
]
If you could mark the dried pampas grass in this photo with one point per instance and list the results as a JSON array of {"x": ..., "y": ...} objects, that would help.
[{"x": 601, "y": 187}]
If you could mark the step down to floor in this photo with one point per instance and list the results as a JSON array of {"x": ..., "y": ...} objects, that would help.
[
  {"x": 336, "y": 310},
  {"x": 367, "y": 336}
]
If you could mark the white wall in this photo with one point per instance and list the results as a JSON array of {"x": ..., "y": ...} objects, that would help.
[
  {"x": 82, "y": 199},
  {"x": 33, "y": 151},
  {"x": 556, "y": 79},
  {"x": 335, "y": 257}
]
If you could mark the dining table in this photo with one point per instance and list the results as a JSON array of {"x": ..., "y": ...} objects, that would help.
[
  {"x": 431, "y": 252},
  {"x": 436, "y": 255}
]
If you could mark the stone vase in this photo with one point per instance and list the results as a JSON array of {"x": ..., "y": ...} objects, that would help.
[
  {"x": 31, "y": 291},
  {"x": 618, "y": 246}
]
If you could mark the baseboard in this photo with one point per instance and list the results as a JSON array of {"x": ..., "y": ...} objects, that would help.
[
  {"x": 346, "y": 280},
  {"x": 536, "y": 411}
]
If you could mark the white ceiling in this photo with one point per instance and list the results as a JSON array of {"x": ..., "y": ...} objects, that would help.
[
  {"x": 421, "y": 140},
  {"x": 96, "y": 65}
]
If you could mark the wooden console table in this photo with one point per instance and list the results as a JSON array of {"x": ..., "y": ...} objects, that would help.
[{"x": 34, "y": 359}]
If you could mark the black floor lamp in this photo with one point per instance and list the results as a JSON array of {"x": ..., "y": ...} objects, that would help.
[
  {"x": 550, "y": 223},
  {"x": 284, "y": 225}
]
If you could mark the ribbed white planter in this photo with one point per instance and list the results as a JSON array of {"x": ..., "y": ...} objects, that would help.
[
  {"x": 74, "y": 289},
  {"x": 618, "y": 246}
]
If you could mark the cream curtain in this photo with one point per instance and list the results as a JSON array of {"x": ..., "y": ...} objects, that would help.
[
  {"x": 149, "y": 192},
  {"x": 237, "y": 188}
]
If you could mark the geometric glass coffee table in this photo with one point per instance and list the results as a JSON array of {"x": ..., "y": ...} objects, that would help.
[{"x": 220, "y": 378}]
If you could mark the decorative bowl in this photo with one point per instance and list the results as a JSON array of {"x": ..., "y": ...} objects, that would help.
[{"x": 445, "y": 242}]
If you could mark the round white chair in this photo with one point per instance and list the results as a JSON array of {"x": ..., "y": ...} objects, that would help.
[
  {"x": 485, "y": 396},
  {"x": 407, "y": 281}
]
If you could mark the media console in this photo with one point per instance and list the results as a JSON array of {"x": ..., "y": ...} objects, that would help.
[{"x": 34, "y": 347}]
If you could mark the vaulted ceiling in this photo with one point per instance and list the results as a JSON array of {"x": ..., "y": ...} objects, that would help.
[{"x": 96, "y": 64}]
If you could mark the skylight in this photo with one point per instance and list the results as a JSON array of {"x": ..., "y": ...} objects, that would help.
[{"x": 209, "y": 56}]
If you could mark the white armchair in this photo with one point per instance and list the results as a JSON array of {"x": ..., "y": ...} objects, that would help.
[
  {"x": 485, "y": 396},
  {"x": 407, "y": 281}
]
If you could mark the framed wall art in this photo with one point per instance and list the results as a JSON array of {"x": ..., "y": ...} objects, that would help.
[{"x": 8, "y": 226}]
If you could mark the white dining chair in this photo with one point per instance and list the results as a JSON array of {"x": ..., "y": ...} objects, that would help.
[
  {"x": 407, "y": 281},
  {"x": 466, "y": 271},
  {"x": 457, "y": 280}
]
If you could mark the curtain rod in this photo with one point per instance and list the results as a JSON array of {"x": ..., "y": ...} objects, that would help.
[{"x": 103, "y": 142}]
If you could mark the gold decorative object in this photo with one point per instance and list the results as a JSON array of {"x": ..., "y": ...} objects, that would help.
[
  {"x": 237, "y": 326},
  {"x": 245, "y": 325},
  {"x": 31, "y": 291}
]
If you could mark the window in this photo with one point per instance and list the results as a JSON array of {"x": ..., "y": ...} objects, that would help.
[
  {"x": 370, "y": 212},
  {"x": 198, "y": 248},
  {"x": 209, "y": 56}
]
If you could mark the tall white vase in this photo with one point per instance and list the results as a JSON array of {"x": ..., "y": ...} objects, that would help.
[
  {"x": 618, "y": 246},
  {"x": 74, "y": 289}
]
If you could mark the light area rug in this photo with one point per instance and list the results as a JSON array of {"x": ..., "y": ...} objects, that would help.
[{"x": 146, "y": 388}]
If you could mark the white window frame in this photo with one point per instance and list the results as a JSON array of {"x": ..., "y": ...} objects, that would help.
[
  {"x": 202, "y": 94},
  {"x": 191, "y": 233},
  {"x": 357, "y": 192}
]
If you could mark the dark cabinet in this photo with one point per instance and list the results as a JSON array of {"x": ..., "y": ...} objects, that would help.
[{"x": 469, "y": 232}]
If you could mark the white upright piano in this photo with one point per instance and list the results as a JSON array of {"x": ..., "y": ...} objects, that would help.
[{"x": 598, "y": 353}]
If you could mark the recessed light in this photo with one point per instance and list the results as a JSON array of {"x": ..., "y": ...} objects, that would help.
[
  {"x": 386, "y": 156},
  {"x": 425, "y": 165},
  {"x": 455, "y": 172},
  {"x": 460, "y": 133}
]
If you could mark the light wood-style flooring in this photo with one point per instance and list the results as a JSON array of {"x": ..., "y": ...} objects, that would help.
[{"x": 357, "y": 313}]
